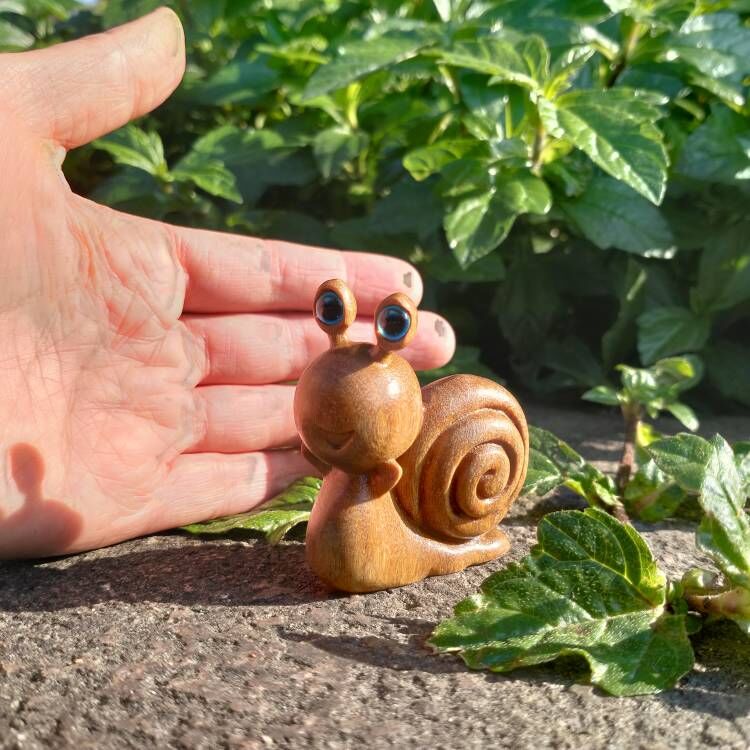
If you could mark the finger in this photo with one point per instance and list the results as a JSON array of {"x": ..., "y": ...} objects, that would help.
[
  {"x": 240, "y": 419},
  {"x": 229, "y": 273},
  {"x": 257, "y": 349},
  {"x": 208, "y": 485},
  {"x": 77, "y": 91}
]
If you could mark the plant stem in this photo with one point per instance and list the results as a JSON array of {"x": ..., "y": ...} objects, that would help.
[
  {"x": 626, "y": 51},
  {"x": 724, "y": 603},
  {"x": 540, "y": 140},
  {"x": 632, "y": 415}
]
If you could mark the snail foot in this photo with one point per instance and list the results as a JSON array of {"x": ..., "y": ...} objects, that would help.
[{"x": 481, "y": 549}]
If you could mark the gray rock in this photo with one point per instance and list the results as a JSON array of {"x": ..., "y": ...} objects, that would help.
[{"x": 179, "y": 642}]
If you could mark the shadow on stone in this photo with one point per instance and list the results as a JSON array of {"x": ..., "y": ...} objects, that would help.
[
  {"x": 206, "y": 574},
  {"x": 378, "y": 651},
  {"x": 720, "y": 684}
]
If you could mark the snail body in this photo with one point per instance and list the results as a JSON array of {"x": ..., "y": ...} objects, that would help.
[{"x": 416, "y": 480}]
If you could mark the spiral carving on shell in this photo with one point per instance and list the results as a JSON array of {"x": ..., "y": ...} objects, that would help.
[{"x": 468, "y": 463}]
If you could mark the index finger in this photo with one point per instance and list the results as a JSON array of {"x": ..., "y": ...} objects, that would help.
[{"x": 228, "y": 273}]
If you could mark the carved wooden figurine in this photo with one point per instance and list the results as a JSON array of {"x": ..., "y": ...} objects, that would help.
[{"x": 416, "y": 479}]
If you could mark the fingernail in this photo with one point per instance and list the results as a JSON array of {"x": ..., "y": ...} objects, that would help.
[
  {"x": 408, "y": 279},
  {"x": 440, "y": 328}
]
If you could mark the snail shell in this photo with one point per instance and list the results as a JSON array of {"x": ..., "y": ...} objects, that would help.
[{"x": 468, "y": 463}]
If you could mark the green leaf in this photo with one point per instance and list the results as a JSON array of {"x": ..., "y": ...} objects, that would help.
[
  {"x": 427, "y": 160},
  {"x": 578, "y": 475},
  {"x": 425, "y": 212},
  {"x": 13, "y": 38},
  {"x": 724, "y": 271},
  {"x": 707, "y": 469},
  {"x": 602, "y": 394},
  {"x": 135, "y": 148},
  {"x": 728, "y": 367},
  {"x": 257, "y": 158},
  {"x": 357, "y": 59},
  {"x": 542, "y": 476},
  {"x": 133, "y": 190},
  {"x": 663, "y": 382},
  {"x": 573, "y": 362},
  {"x": 718, "y": 150},
  {"x": 444, "y": 9},
  {"x": 274, "y": 519},
  {"x": 335, "y": 147},
  {"x": 684, "y": 414},
  {"x": 742, "y": 459},
  {"x": 523, "y": 61},
  {"x": 590, "y": 587},
  {"x": 207, "y": 173},
  {"x": 717, "y": 44},
  {"x": 237, "y": 82},
  {"x": 651, "y": 495},
  {"x": 615, "y": 128},
  {"x": 611, "y": 214},
  {"x": 479, "y": 222},
  {"x": 670, "y": 330}
]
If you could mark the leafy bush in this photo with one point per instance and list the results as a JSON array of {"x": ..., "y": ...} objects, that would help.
[{"x": 571, "y": 177}]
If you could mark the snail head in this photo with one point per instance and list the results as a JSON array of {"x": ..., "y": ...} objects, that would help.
[{"x": 359, "y": 404}]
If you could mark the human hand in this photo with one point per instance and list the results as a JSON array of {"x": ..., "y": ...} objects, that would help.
[{"x": 142, "y": 364}]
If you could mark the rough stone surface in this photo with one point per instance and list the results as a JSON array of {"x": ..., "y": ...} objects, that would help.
[{"x": 172, "y": 641}]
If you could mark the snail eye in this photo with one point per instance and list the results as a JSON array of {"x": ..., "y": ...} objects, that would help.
[
  {"x": 393, "y": 323},
  {"x": 329, "y": 309}
]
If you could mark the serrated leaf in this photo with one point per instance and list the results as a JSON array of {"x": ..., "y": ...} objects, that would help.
[
  {"x": 520, "y": 60},
  {"x": 615, "y": 128},
  {"x": 480, "y": 221},
  {"x": 358, "y": 58},
  {"x": 663, "y": 382},
  {"x": 274, "y": 518},
  {"x": 663, "y": 331},
  {"x": 611, "y": 214},
  {"x": 590, "y": 587},
  {"x": 707, "y": 469},
  {"x": 209, "y": 174},
  {"x": 578, "y": 475},
  {"x": 135, "y": 148}
]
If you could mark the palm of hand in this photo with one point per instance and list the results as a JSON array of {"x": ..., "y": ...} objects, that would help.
[
  {"x": 103, "y": 388},
  {"x": 139, "y": 361}
]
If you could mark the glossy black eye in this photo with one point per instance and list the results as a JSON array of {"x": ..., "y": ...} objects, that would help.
[
  {"x": 329, "y": 309},
  {"x": 393, "y": 323}
]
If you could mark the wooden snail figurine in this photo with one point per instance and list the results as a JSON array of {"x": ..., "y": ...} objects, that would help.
[{"x": 416, "y": 479}]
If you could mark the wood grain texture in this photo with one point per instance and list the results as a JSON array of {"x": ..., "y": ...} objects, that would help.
[{"x": 416, "y": 480}]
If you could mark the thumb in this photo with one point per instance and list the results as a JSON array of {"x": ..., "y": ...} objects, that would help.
[{"x": 78, "y": 91}]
